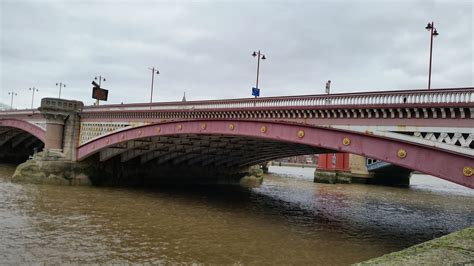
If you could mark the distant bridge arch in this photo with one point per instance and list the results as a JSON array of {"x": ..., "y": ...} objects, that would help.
[
  {"x": 23, "y": 125},
  {"x": 19, "y": 139},
  {"x": 270, "y": 140}
]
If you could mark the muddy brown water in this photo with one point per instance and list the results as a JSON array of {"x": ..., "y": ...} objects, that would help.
[{"x": 288, "y": 220}]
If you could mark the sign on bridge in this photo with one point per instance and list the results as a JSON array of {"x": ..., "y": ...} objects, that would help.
[
  {"x": 98, "y": 93},
  {"x": 256, "y": 92}
]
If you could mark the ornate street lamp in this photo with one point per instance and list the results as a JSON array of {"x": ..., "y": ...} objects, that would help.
[
  {"x": 100, "y": 79},
  {"x": 33, "y": 96},
  {"x": 154, "y": 71},
  {"x": 60, "y": 84},
  {"x": 433, "y": 33},
  {"x": 256, "y": 90},
  {"x": 12, "y": 93}
]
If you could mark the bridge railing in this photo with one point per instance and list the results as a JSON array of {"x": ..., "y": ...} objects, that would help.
[{"x": 408, "y": 97}]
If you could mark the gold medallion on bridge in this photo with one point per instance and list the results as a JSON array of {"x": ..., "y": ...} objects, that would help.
[
  {"x": 231, "y": 126},
  {"x": 158, "y": 129},
  {"x": 263, "y": 129},
  {"x": 402, "y": 153},
  {"x": 180, "y": 127},
  {"x": 203, "y": 126},
  {"x": 300, "y": 134},
  {"x": 107, "y": 141},
  {"x": 346, "y": 141},
  {"x": 122, "y": 137},
  {"x": 139, "y": 133},
  {"x": 468, "y": 171}
]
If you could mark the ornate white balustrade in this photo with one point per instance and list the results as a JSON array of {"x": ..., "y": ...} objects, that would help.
[{"x": 413, "y": 97}]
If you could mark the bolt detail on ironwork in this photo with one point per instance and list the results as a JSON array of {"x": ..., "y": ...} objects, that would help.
[
  {"x": 468, "y": 171},
  {"x": 402, "y": 153},
  {"x": 231, "y": 126},
  {"x": 203, "y": 126},
  {"x": 300, "y": 134},
  {"x": 346, "y": 141},
  {"x": 263, "y": 129}
]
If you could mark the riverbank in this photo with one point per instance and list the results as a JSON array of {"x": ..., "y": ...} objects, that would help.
[
  {"x": 454, "y": 249},
  {"x": 301, "y": 165}
]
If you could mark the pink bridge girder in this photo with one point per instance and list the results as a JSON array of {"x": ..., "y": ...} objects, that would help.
[
  {"x": 430, "y": 160},
  {"x": 25, "y": 126}
]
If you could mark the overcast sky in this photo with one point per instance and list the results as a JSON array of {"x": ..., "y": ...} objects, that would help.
[{"x": 205, "y": 47}]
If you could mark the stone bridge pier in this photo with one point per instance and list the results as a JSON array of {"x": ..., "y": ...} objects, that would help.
[
  {"x": 57, "y": 163},
  {"x": 62, "y": 126}
]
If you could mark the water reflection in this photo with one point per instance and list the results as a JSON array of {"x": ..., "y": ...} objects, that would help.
[{"x": 286, "y": 221}]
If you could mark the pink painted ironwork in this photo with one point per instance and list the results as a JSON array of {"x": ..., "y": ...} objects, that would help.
[
  {"x": 25, "y": 126},
  {"x": 430, "y": 160}
]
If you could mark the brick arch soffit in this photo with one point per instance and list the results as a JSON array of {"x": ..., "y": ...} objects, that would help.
[
  {"x": 430, "y": 160},
  {"x": 32, "y": 129}
]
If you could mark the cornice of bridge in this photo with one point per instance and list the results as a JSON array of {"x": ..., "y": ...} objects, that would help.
[
  {"x": 289, "y": 107},
  {"x": 26, "y": 115},
  {"x": 396, "y": 99}
]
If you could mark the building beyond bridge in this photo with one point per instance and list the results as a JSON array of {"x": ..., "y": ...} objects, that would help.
[{"x": 430, "y": 131}]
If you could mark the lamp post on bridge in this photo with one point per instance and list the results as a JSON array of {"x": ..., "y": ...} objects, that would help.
[
  {"x": 328, "y": 87},
  {"x": 433, "y": 33},
  {"x": 100, "y": 79},
  {"x": 154, "y": 71},
  {"x": 256, "y": 90},
  {"x": 60, "y": 84},
  {"x": 33, "y": 96},
  {"x": 12, "y": 93}
]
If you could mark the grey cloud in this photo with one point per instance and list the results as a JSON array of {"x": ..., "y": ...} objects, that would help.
[{"x": 204, "y": 47}]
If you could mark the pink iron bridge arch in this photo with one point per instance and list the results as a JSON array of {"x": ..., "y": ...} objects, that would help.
[{"x": 448, "y": 165}]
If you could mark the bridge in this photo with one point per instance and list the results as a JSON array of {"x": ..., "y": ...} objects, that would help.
[{"x": 430, "y": 131}]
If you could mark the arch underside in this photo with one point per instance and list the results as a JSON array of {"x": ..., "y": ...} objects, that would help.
[
  {"x": 16, "y": 144},
  {"x": 205, "y": 150},
  {"x": 224, "y": 143},
  {"x": 10, "y": 124}
]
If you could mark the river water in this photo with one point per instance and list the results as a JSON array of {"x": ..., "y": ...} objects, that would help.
[{"x": 288, "y": 220}]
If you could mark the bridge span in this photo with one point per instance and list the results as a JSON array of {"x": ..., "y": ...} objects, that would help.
[{"x": 431, "y": 131}]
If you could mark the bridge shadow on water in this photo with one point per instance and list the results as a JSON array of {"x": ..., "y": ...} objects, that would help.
[{"x": 397, "y": 217}]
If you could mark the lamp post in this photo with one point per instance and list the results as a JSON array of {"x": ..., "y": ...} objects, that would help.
[
  {"x": 259, "y": 56},
  {"x": 433, "y": 33},
  {"x": 100, "y": 79},
  {"x": 328, "y": 87},
  {"x": 60, "y": 84},
  {"x": 33, "y": 96},
  {"x": 12, "y": 93},
  {"x": 154, "y": 72}
]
